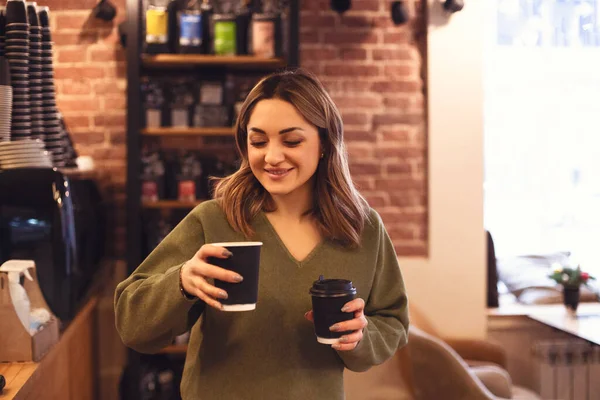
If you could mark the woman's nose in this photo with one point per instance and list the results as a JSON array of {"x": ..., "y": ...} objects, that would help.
[{"x": 274, "y": 155}]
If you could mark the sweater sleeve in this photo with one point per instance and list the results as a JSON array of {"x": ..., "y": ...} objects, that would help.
[
  {"x": 386, "y": 310},
  {"x": 150, "y": 309}
]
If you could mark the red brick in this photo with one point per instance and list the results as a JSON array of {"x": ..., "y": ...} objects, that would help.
[
  {"x": 318, "y": 21},
  {"x": 309, "y": 37},
  {"x": 365, "y": 168},
  {"x": 363, "y": 183},
  {"x": 397, "y": 101},
  {"x": 314, "y": 5},
  {"x": 402, "y": 216},
  {"x": 61, "y": 72},
  {"x": 71, "y": 20},
  {"x": 118, "y": 137},
  {"x": 354, "y": 54},
  {"x": 402, "y": 71},
  {"x": 398, "y": 168},
  {"x": 400, "y": 232},
  {"x": 385, "y": 150},
  {"x": 392, "y": 54},
  {"x": 397, "y": 37},
  {"x": 359, "y": 149},
  {"x": 368, "y": 101},
  {"x": 357, "y": 86},
  {"x": 357, "y": 21},
  {"x": 116, "y": 70},
  {"x": 71, "y": 55},
  {"x": 391, "y": 184},
  {"x": 397, "y": 86},
  {"x": 71, "y": 86},
  {"x": 114, "y": 103},
  {"x": 396, "y": 135},
  {"x": 377, "y": 200},
  {"x": 366, "y": 5},
  {"x": 396, "y": 118},
  {"x": 355, "y": 118},
  {"x": 348, "y": 69},
  {"x": 383, "y": 22},
  {"x": 77, "y": 104},
  {"x": 89, "y": 137},
  {"x": 76, "y": 121},
  {"x": 318, "y": 54},
  {"x": 108, "y": 87},
  {"x": 351, "y": 37},
  {"x": 359, "y": 135},
  {"x": 408, "y": 199},
  {"x": 110, "y": 120},
  {"x": 411, "y": 250},
  {"x": 107, "y": 54}
]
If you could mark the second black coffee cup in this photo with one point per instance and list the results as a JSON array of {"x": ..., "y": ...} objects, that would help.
[
  {"x": 328, "y": 298},
  {"x": 245, "y": 261}
]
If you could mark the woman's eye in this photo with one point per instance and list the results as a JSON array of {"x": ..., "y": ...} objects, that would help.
[
  {"x": 257, "y": 144},
  {"x": 291, "y": 143}
]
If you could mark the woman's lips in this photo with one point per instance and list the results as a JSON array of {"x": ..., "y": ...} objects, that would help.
[{"x": 277, "y": 173}]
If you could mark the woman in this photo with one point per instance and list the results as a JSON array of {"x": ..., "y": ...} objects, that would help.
[{"x": 293, "y": 192}]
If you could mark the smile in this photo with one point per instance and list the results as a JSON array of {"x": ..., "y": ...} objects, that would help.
[{"x": 276, "y": 173}]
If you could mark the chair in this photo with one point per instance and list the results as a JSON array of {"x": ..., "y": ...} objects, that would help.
[{"x": 429, "y": 368}]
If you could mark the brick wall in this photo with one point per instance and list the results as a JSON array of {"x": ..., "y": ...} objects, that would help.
[
  {"x": 374, "y": 71},
  {"x": 90, "y": 84},
  {"x": 89, "y": 67}
]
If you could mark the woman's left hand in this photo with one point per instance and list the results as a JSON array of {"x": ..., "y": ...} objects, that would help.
[{"x": 350, "y": 340}]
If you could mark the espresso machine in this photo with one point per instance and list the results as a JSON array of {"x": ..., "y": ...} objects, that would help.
[{"x": 57, "y": 221}]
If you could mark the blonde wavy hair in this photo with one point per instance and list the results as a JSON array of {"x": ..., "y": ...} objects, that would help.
[{"x": 338, "y": 207}]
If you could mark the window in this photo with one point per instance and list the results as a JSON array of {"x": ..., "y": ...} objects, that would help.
[{"x": 542, "y": 128}]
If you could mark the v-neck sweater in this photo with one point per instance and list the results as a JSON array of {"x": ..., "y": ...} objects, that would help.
[{"x": 270, "y": 352}]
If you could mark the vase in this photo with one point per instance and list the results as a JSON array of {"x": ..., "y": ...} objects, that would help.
[{"x": 571, "y": 297}]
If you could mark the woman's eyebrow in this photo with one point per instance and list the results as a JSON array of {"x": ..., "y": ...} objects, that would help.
[{"x": 281, "y": 132}]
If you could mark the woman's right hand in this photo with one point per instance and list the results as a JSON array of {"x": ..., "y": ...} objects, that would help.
[{"x": 196, "y": 272}]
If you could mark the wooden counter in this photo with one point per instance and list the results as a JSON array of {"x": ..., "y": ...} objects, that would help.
[{"x": 67, "y": 372}]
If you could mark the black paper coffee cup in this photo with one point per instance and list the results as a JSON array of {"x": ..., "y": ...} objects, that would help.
[
  {"x": 328, "y": 298},
  {"x": 245, "y": 261}
]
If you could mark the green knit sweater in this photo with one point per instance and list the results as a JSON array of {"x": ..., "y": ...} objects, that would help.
[{"x": 270, "y": 353}]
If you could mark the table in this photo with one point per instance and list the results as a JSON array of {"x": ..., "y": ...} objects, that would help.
[{"x": 585, "y": 324}]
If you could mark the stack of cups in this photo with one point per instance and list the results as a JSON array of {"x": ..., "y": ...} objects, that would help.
[
  {"x": 53, "y": 134},
  {"x": 35, "y": 72},
  {"x": 17, "y": 53},
  {"x": 6, "y": 100},
  {"x": 2, "y": 30}
]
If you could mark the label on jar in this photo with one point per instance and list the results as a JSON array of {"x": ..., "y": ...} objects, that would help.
[
  {"x": 149, "y": 191},
  {"x": 263, "y": 38},
  {"x": 225, "y": 43},
  {"x": 157, "y": 25},
  {"x": 187, "y": 191},
  {"x": 190, "y": 29}
]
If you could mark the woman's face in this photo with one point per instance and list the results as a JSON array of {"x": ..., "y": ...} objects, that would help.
[{"x": 283, "y": 148}]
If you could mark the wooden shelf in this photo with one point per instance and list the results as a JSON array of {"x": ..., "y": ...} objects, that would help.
[
  {"x": 174, "y": 349},
  {"x": 194, "y": 60},
  {"x": 217, "y": 131},
  {"x": 167, "y": 204}
]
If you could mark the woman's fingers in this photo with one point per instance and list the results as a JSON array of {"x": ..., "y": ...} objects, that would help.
[
  {"x": 207, "y": 293},
  {"x": 354, "y": 305},
  {"x": 209, "y": 250},
  {"x": 351, "y": 325},
  {"x": 309, "y": 316}
]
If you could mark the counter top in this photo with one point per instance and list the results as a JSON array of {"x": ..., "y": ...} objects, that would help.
[{"x": 24, "y": 380}]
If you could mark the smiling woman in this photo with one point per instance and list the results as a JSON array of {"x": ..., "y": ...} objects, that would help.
[
  {"x": 290, "y": 139},
  {"x": 292, "y": 193}
]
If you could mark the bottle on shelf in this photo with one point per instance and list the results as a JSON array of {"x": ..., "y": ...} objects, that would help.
[
  {"x": 266, "y": 33},
  {"x": 157, "y": 27},
  {"x": 206, "y": 12},
  {"x": 243, "y": 16},
  {"x": 190, "y": 28},
  {"x": 225, "y": 34}
]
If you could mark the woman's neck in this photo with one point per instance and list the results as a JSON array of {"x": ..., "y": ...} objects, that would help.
[{"x": 293, "y": 206}]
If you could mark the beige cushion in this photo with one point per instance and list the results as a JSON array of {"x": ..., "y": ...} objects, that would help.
[{"x": 382, "y": 382}]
